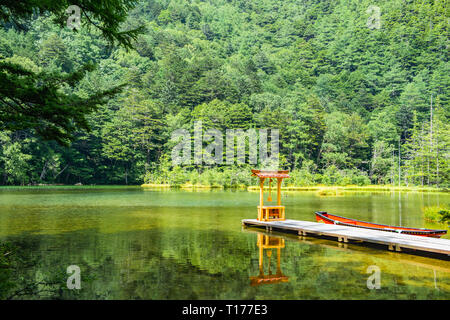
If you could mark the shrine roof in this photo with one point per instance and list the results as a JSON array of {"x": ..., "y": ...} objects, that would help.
[{"x": 271, "y": 174}]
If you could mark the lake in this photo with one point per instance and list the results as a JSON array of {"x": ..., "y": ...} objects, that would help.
[{"x": 131, "y": 243}]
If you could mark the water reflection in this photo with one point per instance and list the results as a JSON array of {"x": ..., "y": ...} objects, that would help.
[
  {"x": 177, "y": 245},
  {"x": 266, "y": 245},
  {"x": 310, "y": 264}
]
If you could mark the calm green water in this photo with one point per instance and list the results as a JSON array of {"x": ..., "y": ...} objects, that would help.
[{"x": 139, "y": 244}]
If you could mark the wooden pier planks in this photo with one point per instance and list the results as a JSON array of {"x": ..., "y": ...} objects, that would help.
[{"x": 394, "y": 241}]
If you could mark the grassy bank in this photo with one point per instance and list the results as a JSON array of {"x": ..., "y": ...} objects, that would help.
[
  {"x": 337, "y": 190},
  {"x": 322, "y": 189},
  {"x": 190, "y": 186},
  {"x": 439, "y": 214}
]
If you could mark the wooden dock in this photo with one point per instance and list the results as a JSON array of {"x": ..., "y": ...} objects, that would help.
[{"x": 392, "y": 241}]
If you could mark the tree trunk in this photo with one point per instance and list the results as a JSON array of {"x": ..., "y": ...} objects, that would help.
[
  {"x": 430, "y": 152},
  {"x": 61, "y": 171},
  {"x": 399, "y": 169},
  {"x": 437, "y": 154},
  {"x": 44, "y": 171}
]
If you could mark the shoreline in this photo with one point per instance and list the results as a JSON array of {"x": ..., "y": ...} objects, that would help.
[
  {"x": 321, "y": 189},
  {"x": 318, "y": 188}
]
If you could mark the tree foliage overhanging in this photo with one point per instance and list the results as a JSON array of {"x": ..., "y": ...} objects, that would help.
[
  {"x": 353, "y": 104},
  {"x": 34, "y": 100}
]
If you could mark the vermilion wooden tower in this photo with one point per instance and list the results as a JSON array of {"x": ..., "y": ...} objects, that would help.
[{"x": 270, "y": 213}]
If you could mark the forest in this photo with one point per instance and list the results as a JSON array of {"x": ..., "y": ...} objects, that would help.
[{"x": 353, "y": 104}]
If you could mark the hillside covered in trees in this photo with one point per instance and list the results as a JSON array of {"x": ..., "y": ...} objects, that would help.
[{"x": 354, "y": 104}]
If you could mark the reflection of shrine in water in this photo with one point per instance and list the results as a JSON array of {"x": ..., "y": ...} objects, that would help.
[{"x": 266, "y": 244}]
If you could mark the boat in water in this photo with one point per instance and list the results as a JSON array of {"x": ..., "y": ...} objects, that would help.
[{"x": 322, "y": 216}]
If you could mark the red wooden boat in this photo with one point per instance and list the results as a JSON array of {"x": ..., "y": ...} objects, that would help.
[{"x": 322, "y": 216}]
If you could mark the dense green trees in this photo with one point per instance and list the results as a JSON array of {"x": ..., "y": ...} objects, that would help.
[{"x": 353, "y": 104}]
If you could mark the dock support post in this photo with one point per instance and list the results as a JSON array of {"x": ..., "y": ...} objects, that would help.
[
  {"x": 343, "y": 239},
  {"x": 395, "y": 247}
]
